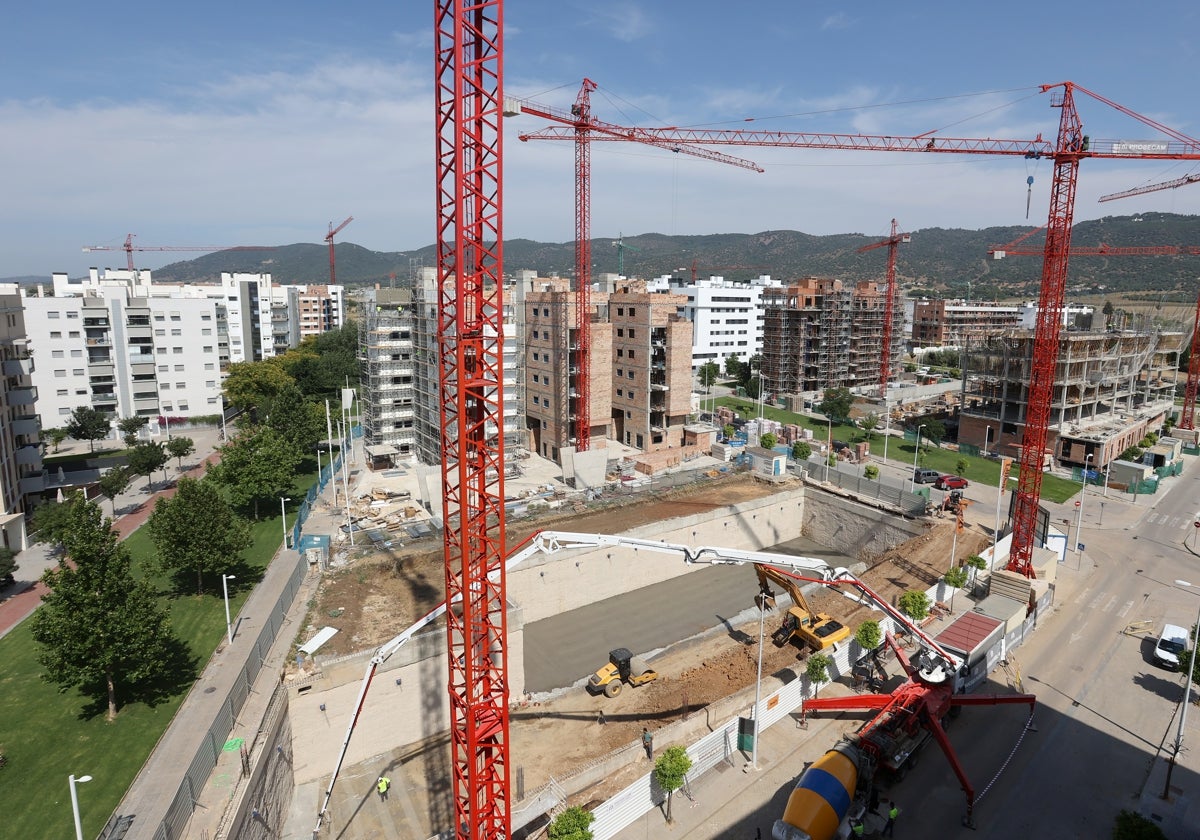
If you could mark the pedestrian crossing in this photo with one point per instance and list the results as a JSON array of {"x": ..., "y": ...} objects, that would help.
[
  {"x": 1165, "y": 521},
  {"x": 1102, "y": 602}
]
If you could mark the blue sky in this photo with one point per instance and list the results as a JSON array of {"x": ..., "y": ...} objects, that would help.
[{"x": 260, "y": 123}]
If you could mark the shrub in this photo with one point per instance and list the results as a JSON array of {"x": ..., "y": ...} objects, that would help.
[
  {"x": 914, "y": 604},
  {"x": 871, "y": 472}
]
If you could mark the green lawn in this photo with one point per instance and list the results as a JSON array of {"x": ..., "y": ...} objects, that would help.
[
  {"x": 47, "y": 734},
  {"x": 979, "y": 470}
]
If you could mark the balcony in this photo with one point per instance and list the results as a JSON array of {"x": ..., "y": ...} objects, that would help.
[
  {"x": 99, "y": 341},
  {"x": 18, "y": 367},
  {"x": 32, "y": 483},
  {"x": 95, "y": 322},
  {"x": 29, "y": 456},
  {"x": 30, "y": 426},
  {"x": 22, "y": 396}
]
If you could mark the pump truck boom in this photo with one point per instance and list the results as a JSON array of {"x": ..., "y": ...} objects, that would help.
[
  {"x": 817, "y": 807},
  {"x": 550, "y": 543}
]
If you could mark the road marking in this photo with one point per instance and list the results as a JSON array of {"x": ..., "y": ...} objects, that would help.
[
  {"x": 1110, "y": 603},
  {"x": 1075, "y": 637},
  {"x": 1095, "y": 605},
  {"x": 1083, "y": 595},
  {"x": 1125, "y": 609}
]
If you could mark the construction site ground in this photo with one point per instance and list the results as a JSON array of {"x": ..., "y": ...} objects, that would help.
[{"x": 556, "y": 735}]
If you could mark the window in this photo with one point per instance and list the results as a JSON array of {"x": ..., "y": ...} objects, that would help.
[
  {"x": 183, "y": 406},
  {"x": 207, "y": 348},
  {"x": 176, "y": 331},
  {"x": 206, "y": 317},
  {"x": 177, "y": 350},
  {"x": 160, "y": 333},
  {"x": 158, "y": 316},
  {"x": 60, "y": 374},
  {"x": 73, "y": 334},
  {"x": 56, "y": 354},
  {"x": 180, "y": 384},
  {"x": 55, "y": 334},
  {"x": 76, "y": 354},
  {"x": 620, "y": 353},
  {"x": 78, "y": 371},
  {"x": 64, "y": 412},
  {"x": 632, "y": 333},
  {"x": 620, "y": 332},
  {"x": 620, "y": 310},
  {"x": 54, "y": 316},
  {"x": 72, "y": 314},
  {"x": 208, "y": 366},
  {"x": 62, "y": 392},
  {"x": 164, "y": 368},
  {"x": 165, "y": 386},
  {"x": 631, "y": 353},
  {"x": 619, "y": 393},
  {"x": 179, "y": 368},
  {"x": 206, "y": 331},
  {"x": 212, "y": 383}
]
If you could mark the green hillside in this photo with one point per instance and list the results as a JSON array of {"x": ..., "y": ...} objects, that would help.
[{"x": 937, "y": 261}]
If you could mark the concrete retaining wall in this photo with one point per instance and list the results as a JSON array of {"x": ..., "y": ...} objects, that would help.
[{"x": 858, "y": 530}]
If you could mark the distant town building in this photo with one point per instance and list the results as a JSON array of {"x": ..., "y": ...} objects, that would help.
[{"x": 21, "y": 475}]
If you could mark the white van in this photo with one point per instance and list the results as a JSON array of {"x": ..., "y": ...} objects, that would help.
[{"x": 1172, "y": 644}]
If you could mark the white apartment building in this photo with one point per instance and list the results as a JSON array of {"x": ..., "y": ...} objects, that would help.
[
  {"x": 106, "y": 343},
  {"x": 299, "y": 311},
  {"x": 727, "y": 317}
]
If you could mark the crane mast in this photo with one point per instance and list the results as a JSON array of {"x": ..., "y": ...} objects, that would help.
[
  {"x": 893, "y": 243},
  {"x": 329, "y": 241},
  {"x": 469, "y": 188},
  {"x": 1187, "y": 417},
  {"x": 582, "y": 111}
]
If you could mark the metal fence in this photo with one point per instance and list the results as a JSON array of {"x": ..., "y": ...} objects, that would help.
[
  {"x": 851, "y": 478},
  {"x": 205, "y": 758}
]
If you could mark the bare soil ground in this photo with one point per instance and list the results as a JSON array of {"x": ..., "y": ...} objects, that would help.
[{"x": 379, "y": 596}]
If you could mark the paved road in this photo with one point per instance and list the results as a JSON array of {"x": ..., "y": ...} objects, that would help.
[{"x": 563, "y": 649}]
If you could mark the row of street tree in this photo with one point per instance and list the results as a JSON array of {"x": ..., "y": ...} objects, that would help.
[{"x": 104, "y": 629}]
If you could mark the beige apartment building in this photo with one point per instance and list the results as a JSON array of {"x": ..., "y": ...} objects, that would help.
[
  {"x": 641, "y": 351},
  {"x": 940, "y": 323}
]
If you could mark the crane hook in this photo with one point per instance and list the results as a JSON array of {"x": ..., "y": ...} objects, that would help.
[{"x": 1028, "y": 193}]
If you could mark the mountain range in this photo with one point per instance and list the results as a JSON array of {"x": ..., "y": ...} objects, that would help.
[{"x": 936, "y": 262}]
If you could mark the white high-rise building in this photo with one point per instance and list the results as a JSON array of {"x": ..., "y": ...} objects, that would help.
[
  {"x": 105, "y": 343},
  {"x": 727, "y": 317}
]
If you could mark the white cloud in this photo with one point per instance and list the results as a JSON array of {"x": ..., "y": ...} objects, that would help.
[{"x": 841, "y": 20}]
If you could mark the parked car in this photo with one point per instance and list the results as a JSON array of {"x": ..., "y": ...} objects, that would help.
[
  {"x": 1171, "y": 645},
  {"x": 925, "y": 476},
  {"x": 950, "y": 482}
]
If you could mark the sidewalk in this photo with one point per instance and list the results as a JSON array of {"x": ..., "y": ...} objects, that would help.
[{"x": 134, "y": 507}]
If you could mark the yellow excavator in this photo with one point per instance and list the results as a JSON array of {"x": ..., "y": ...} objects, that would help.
[{"x": 817, "y": 630}]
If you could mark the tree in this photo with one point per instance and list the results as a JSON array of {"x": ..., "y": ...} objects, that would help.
[
  {"x": 960, "y": 466},
  {"x": 869, "y": 424},
  {"x": 197, "y": 531},
  {"x": 295, "y": 419},
  {"x": 729, "y": 431},
  {"x": 56, "y": 436},
  {"x": 572, "y": 824},
  {"x": 179, "y": 448},
  {"x": 249, "y": 384},
  {"x": 836, "y": 404},
  {"x": 871, "y": 472},
  {"x": 324, "y": 363},
  {"x": 670, "y": 771},
  {"x": 86, "y": 423},
  {"x": 8, "y": 563},
  {"x": 1107, "y": 311},
  {"x": 914, "y": 604},
  {"x": 935, "y": 431},
  {"x": 801, "y": 450},
  {"x": 868, "y": 635},
  {"x": 100, "y": 629},
  {"x": 767, "y": 440},
  {"x": 1130, "y": 825},
  {"x": 976, "y": 564},
  {"x": 49, "y": 522},
  {"x": 145, "y": 458},
  {"x": 708, "y": 373},
  {"x": 130, "y": 426},
  {"x": 733, "y": 367},
  {"x": 256, "y": 467},
  {"x": 956, "y": 578},
  {"x": 817, "y": 671},
  {"x": 113, "y": 483}
]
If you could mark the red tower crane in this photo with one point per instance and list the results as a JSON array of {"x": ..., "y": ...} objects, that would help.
[
  {"x": 999, "y": 252},
  {"x": 1187, "y": 417},
  {"x": 1066, "y": 152},
  {"x": 584, "y": 128},
  {"x": 129, "y": 248},
  {"x": 329, "y": 240},
  {"x": 893, "y": 244}
]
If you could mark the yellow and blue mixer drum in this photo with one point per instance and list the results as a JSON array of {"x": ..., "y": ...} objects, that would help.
[{"x": 821, "y": 798}]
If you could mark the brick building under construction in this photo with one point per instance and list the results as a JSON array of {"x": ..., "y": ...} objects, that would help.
[{"x": 818, "y": 334}]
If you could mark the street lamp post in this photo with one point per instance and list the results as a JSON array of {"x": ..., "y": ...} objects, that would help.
[
  {"x": 987, "y": 433},
  {"x": 283, "y": 512},
  {"x": 760, "y": 402},
  {"x": 72, "y": 781},
  {"x": 916, "y": 452},
  {"x": 1079, "y": 507},
  {"x": 1187, "y": 696},
  {"x": 887, "y": 428},
  {"x": 225, "y": 588},
  {"x": 758, "y": 681}
]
